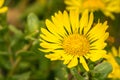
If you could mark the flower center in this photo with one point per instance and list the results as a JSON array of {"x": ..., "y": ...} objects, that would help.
[
  {"x": 93, "y": 4},
  {"x": 76, "y": 44}
]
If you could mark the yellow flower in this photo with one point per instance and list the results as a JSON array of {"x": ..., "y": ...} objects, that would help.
[
  {"x": 106, "y": 6},
  {"x": 2, "y": 9},
  {"x": 71, "y": 38},
  {"x": 110, "y": 57}
]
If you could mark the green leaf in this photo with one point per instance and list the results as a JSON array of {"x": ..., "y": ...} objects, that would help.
[
  {"x": 102, "y": 70},
  {"x": 3, "y": 53},
  {"x": 4, "y": 63},
  {"x": 18, "y": 33},
  {"x": 28, "y": 55},
  {"x": 75, "y": 73},
  {"x": 33, "y": 23},
  {"x": 117, "y": 59},
  {"x": 60, "y": 71},
  {"x": 24, "y": 76},
  {"x": 1, "y": 77}
]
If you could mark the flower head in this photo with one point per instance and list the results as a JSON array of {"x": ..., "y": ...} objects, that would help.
[
  {"x": 2, "y": 9},
  {"x": 71, "y": 38},
  {"x": 106, "y": 6},
  {"x": 110, "y": 57}
]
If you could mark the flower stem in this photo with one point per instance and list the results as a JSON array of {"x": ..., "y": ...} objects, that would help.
[{"x": 76, "y": 74}]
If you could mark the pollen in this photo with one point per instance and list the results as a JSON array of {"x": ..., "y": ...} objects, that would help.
[{"x": 76, "y": 44}]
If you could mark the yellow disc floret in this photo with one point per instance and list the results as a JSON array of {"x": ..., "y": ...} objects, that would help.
[{"x": 76, "y": 44}]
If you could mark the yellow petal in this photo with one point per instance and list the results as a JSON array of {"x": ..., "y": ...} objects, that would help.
[
  {"x": 66, "y": 21},
  {"x": 96, "y": 54},
  {"x": 3, "y": 9},
  {"x": 83, "y": 20},
  {"x": 74, "y": 19},
  {"x": 68, "y": 2},
  {"x": 72, "y": 8},
  {"x": 114, "y": 6},
  {"x": 98, "y": 31},
  {"x": 87, "y": 28},
  {"x": 72, "y": 2},
  {"x": 49, "y": 45},
  {"x": 99, "y": 44},
  {"x": 45, "y": 50},
  {"x": 114, "y": 51},
  {"x": 73, "y": 62},
  {"x": 1, "y": 3},
  {"x": 57, "y": 55},
  {"x": 67, "y": 58},
  {"x": 47, "y": 33},
  {"x": 49, "y": 37},
  {"x": 109, "y": 14},
  {"x": 83, "y": 62},
  {"x": 58, "y": 22},
  {"x": 51, "y": 27}
]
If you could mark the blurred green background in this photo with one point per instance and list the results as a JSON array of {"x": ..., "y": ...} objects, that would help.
[{"x": 20, "y": 58}]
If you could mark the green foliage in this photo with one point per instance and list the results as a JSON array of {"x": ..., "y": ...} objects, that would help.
[
  {"x": 102, "y": 70},
  {"x": 33, "y": 23},
  {"x": 117, "y": 59}
]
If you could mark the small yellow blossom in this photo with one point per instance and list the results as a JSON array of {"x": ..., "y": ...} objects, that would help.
[
  {"x": 110, "y": 57},
  {"x": 106, "y": 6},
  {"x": 72, "y": 39},
  {"x": 2, "y": 9}
]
